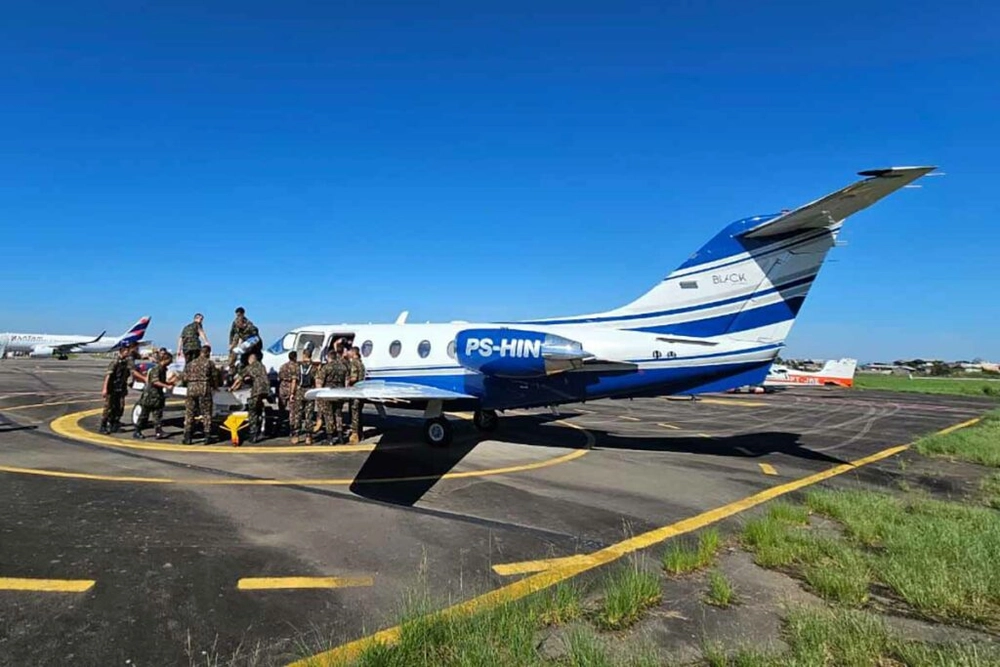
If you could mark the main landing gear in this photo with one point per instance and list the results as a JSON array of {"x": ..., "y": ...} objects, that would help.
[
  {"x": 437, "y": 430},
  {"x": 485, "y": 420}
]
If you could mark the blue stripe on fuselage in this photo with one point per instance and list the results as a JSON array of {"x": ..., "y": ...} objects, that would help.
[{"x": 731, "y": 322}]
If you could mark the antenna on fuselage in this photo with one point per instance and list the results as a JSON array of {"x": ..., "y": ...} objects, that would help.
[{"x": 402, "y": 317}]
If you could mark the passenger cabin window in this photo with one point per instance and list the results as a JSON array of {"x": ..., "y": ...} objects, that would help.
[
  {"x": 366, "y": 348},
  {"x": 451, "y": 349},
  {"x": 424, "y": 349},
  {"x": 395, "y": 348}
]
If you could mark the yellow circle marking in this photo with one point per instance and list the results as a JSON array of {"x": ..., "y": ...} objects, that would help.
[{"x": 69, "y": 426}]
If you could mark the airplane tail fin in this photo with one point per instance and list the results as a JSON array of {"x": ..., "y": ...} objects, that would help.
[
  {"x": 750, "y": 280},
  {"x": 135, "y": 333},
  {"x": 841, "y": 369}
]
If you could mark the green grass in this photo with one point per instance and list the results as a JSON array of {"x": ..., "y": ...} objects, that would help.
[
  {"x": 851, "y": 638},
  {"x": 931, "y": 385},
  {"x": 939, "y": 557},
  {"x": 627, "y": 593},
  {"x": 559, "y": 605},
  {"x": 682, "y": 557},
  {"x": 979, "y": 443},
  {"x": 991, "y": 490},
  {"x": 720, "y": 590}
]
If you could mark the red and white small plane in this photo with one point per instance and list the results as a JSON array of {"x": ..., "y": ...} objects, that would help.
[{"x": 834, "y": 373}]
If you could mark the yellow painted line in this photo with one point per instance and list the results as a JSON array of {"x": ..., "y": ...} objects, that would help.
[
  {"x": 69, "y": 426},
  {"x": 767, "y": 469},
  {"x": 631, "y": 419},
  {"x": 46, "y": 585},
  {"x": 280, "y": 583},
  {"x": 733, "y": 401},
  {"x": 671, "y": 426},
  {"x": 531, "y": 566},
  {"x": 547, "y": 578},
  {"x": 345, "y": 481},
  {"x": 45, "y": 405}
]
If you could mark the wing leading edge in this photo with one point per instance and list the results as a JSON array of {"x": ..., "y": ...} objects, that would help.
[{"x": 834, "y": 207}]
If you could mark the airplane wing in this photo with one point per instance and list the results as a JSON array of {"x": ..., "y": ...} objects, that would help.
[
  {"x": 833, "y": 208},
  {"x": 384, "y": 391},
  {"x": 66, "y": 348}
]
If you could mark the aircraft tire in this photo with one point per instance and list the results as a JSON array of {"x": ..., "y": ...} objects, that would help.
[
  {"x": 437, "y": 432},
  {"x": 486, "y": 421}
]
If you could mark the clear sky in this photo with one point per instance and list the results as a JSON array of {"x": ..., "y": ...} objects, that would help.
[{"x": 341, "y": 162}]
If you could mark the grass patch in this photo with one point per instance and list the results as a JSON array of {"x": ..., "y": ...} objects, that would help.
[
  {"x": 955, "y": 386},
  {"x": 852, "y": 638},
  {"x": 939, "y": 557},
  {"x": 559, "y": 605},
  {"x": 720, "y": 590},
  {"x": 991, "y": 490},
  {"x": 682, "y": 557},
  {"x": 979, "y": 443},
  {"x": 627, "y": 593}
]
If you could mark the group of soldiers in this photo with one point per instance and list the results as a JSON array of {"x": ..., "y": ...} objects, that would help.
[{"x": 340, "y": 366}]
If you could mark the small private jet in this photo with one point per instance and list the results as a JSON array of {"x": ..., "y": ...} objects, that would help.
[
  {"x": 716, "y": 323},
  {"x": 61, "y": 346}
]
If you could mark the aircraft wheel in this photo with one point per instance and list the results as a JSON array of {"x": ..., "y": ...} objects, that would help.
[
  {"x": 136, "y": 411},
  {"x": 485, "y": 420},
  {"x": 437, "y": 432}
]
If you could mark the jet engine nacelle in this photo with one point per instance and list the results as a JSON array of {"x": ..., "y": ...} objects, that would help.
[
  {"x": 517, "y": 353},
  {"x": 41, "y": 352}
]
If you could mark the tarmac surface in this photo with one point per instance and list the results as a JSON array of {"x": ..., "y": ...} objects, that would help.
[{"x": 162, "y": 553}]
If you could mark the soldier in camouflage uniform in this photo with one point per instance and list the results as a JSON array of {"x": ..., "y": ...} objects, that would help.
[
  {"x": 333, "y": 374},
  {"x": 116, "y": 383},
  {"x": 355, "y": 374},
  {"x": 287, "y": 377},
  {"x": 240, "y": 330},
  {"x": 260, "y": 388},
  {"x": 300, "y": 410},
  {"x": 152, "y": 399},
  {"x": 200, "y": 376},
  {"x": 192, "y": 338}
]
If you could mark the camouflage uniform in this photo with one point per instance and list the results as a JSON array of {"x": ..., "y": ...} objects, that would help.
[
  {"x": 119, "y": 372},
  {"x": 356, "y": 374},
  {"x": 258, "y": 394},
  {"x": 201, "y": 377},
  {"x": 152, "y": 399},
  {"x": 288, "y": 372},
  {"x": 301, "y": 412},
  {"x": 191, "y": 342},
  {"x": 239, "y": 332},
  {"x": 333, "y": 374}
]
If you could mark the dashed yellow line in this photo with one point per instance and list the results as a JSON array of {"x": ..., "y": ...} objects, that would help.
[
  {"x": 628, "y": 418},
  {"x": 767, "y": 469},
  {"x": 572, "y": 567},
  {"x": 281, "y": 583},
  {"x": 670, "y": 426},
  {"x": 733, "y": 401},
  {"x": 46, "y": 585}
]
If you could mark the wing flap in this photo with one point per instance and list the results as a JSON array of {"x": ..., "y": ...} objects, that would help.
[{"x": 837, "y": 206}]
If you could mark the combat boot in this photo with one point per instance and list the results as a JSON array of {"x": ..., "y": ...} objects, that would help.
[
  {"x": 160, "y": 435},
  {"x": 137, "y": 435},
  {"x": 295, "y": 439},
  {"x": 354, "y": 439},
  {"x": 309, "y": 439},
  {"x": 115, "y": 427},
  {"x": 187, "y": 438},
  {"x": 103, "y": 428}
]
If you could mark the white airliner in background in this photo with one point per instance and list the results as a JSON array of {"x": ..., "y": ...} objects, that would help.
[
  {"x": 60, "y": 346},
  {"x": 716, "y": 323}
]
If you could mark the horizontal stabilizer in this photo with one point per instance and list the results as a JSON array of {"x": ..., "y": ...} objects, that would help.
[
  {"x": 383, "y": 391},
  {"x": 835, "y": 207}
]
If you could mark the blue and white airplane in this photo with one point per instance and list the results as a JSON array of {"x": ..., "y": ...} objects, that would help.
[{"x": 716, "y": 323}]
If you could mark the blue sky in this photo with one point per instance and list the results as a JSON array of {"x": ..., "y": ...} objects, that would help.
[{"x": 346, "y": 161}]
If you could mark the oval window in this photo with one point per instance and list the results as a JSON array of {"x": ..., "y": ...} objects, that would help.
[
  {"x": 395, "y": 348},
  {"x": 424, "y": 349},
  {"x": 366, "y": 348},
  {"x": 451, "y": 349}
]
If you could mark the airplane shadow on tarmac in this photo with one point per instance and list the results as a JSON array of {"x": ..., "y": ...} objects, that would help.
[{"x": 399, "y": 472}]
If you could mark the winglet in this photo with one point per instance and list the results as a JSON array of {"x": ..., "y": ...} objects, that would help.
[{"x": 837, "y": 206}]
